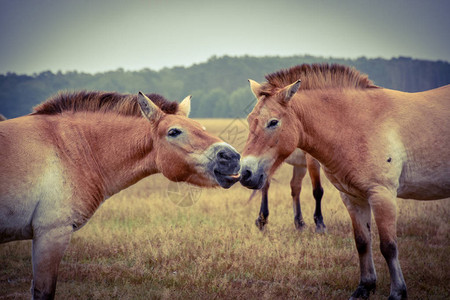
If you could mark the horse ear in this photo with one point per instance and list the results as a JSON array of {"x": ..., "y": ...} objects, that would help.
[
  {"x": 184, "y": 108},
  {"x": 255, "y": 87},
  {"x": 291, "y": 89},
  {"x": 148, "y": 108}
]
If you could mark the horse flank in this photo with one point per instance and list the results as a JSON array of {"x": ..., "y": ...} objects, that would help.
[
  {"x": 317, "y": 76},
  {"x": 123, "y": 104}
]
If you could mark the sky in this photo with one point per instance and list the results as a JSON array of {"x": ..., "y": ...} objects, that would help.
[{"x": 102, "y": 35}]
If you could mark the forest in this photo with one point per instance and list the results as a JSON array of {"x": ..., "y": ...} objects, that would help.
[{"x": 219, "y": 86}]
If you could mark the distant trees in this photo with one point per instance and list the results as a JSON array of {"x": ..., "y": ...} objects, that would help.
[{"x": 219, "y": 86}]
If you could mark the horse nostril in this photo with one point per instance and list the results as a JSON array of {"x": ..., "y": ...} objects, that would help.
[
  {"x": 261, "y": 178},
  {"x": 246, "y": 174},
  {"x": 223, "y": 155}
]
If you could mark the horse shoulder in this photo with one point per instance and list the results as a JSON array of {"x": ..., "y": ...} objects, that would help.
[{"x": 32, "y": 187}]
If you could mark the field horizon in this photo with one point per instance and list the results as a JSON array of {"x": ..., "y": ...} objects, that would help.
[{"x": 163, "y": 240}]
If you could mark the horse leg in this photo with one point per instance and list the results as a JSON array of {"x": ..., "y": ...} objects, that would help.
[
  {"x": 385, "y": 213},
  {"x": 264, "y": 209},
  {"x": 314, "y": 172},
  {"x": 360, "y": 214},
  {"x": 48, "y": 250},
  {"x": 296, "y": 186}
]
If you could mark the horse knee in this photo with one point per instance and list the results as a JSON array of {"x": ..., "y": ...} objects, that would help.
[
  {"x": 362, "y": 244},
  {"x": 318, "y": 193},
  {"x": 296, "y": 180},
  {"x": 296, "y": 187},
  {"x": 295, "y": 192},
  {"x": 389, "y": 250}
]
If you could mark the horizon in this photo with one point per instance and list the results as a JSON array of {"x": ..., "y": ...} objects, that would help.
[
  {"x": 216, "y": 57},
  {"x": 99, "y": 36}
]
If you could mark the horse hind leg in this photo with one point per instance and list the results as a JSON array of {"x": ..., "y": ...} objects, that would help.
[
  {"x": 360, "y": 214},
  {"x": 263, "y": 217},
  {"x": 48, "y": 250},
  {"x": 314, "y": 173},
  {"x": 296, "y": 186},
  {"x": 385, "y": 214}
]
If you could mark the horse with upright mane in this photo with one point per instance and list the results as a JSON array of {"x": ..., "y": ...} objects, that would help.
[
  {"x": 60, "y": 163},
  {"x": 374, "y": 145}
]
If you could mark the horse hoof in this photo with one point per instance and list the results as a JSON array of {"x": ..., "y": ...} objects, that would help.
[
  {"x": 363, "y": 291},
  {"x": 321, "y": 229},
  {"x": 299, "y": 225},
  {"x": 260, "y": 224},
  {"x": 399, "y": 295}
]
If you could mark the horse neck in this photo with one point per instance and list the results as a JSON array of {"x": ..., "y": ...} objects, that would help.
[
  {"x": 107, "y": 153},
  {"x": 326, "y": 120}
]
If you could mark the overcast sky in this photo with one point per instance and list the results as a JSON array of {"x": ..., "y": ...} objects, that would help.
[{"x": 101, "y": 35}]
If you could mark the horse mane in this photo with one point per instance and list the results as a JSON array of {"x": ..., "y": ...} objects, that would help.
[
  {"x": 317, "y": 76},
  {"x": 123, "y": 104}
]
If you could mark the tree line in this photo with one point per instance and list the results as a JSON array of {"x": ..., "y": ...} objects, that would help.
[{"x": 219, "y": 86}]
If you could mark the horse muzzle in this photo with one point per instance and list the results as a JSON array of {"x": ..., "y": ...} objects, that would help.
[
  {"x": 253, "y": 175},
  {"x": 225, "y": 164}
]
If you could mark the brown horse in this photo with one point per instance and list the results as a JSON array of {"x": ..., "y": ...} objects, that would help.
[
  {"x": 301, "y": 162},
  {"x": 374, "y": 145},
  {"x": 61, "y": 162}
]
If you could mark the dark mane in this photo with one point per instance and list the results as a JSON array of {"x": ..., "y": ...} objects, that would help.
[
  {"x": 318, "y": 76},
  {"x": 124, "y": 104}
]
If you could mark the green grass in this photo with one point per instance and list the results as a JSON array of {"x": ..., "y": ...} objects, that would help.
[{"x": 140, "y": 245}]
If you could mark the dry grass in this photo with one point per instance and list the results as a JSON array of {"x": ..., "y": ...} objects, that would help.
[{"x": 141, "y": 245}]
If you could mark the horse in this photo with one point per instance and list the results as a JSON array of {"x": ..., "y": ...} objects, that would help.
[
  {"x": 374, "y": 144},
  {"x": 75, "y": 150},
  {"x": 301, "y": 161}
]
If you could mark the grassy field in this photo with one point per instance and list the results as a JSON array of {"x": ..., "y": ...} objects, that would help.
[{"x": 148, "y": 243}]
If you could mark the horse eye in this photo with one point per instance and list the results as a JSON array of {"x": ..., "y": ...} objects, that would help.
[
  {"x": 174, "y": 132},
  {"x": 272, "y": 123}
]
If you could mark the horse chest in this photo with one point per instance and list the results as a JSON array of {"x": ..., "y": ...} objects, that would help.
[{"x": 341, "y": 183}]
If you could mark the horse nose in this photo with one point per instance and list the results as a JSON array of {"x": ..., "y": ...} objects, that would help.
[
  {"x": 252, "y": 174},
  {"x": 225, "y": 163},
  {"x": 246, "y": 175},
  {"x": 228, "y": 159},
  {"x": 226, "y": 155}
]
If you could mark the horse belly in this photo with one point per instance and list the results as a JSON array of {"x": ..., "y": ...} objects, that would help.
[
  {"x": 426, "y": 169},
  {"x": 425, "y": 183}
]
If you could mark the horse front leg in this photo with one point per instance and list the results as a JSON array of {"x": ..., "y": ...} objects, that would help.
[
  {"x": 314, "y": 173},
  {"x": 385, "y": 213},
  {"x": 360, "y": 214},
  {"x": 264, "y": 209},
  {"x": 298, "y": 174},
  {"x": 48, "y": 250}
]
